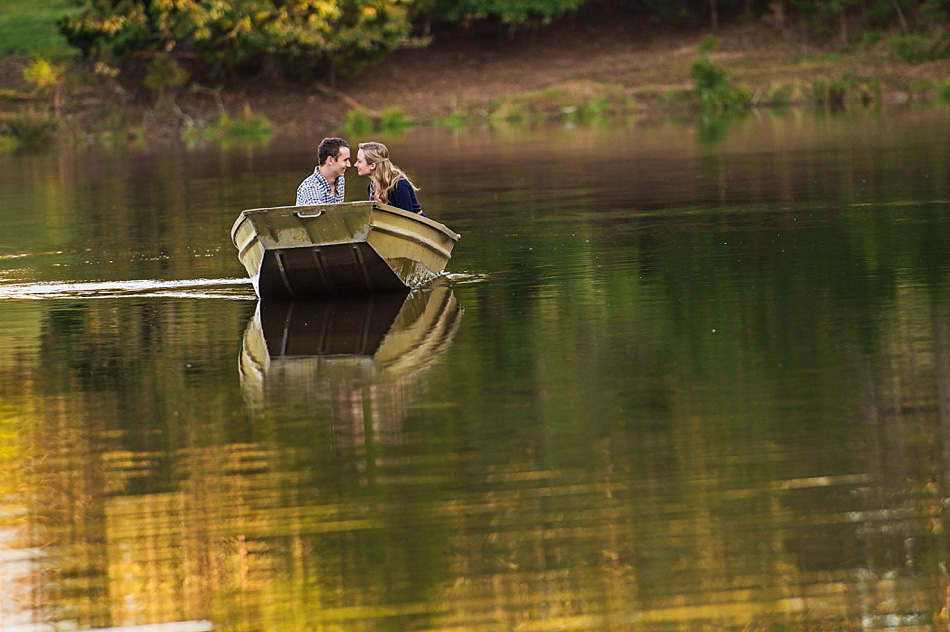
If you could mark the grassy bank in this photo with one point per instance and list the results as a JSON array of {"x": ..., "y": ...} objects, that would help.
[{"x": 29, "y": 26}]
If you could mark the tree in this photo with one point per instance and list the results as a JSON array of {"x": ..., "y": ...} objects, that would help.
[
  {"x": 512, "y": 12},
  {"x": 840, "y": 7},
  {"x": 223, "y": 34}
]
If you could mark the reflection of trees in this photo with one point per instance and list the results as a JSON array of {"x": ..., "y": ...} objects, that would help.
[
  {"x": 102, "y": 424},
  {"x": 685, "y": 418},
  {"x": 649, "y": 480},
  {"x": 709, "y": 511},
  {"x": 668, "y": 523},
  {"x": 149, "y": 504},
  {"x": 706, "y": 349},
  {"x": 116, "y": 216}
]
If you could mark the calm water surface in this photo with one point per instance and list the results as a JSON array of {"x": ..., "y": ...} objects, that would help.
[{"x": 678, "y": 378}]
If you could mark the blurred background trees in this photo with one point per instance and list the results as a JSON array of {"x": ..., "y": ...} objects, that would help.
[{"x": 323, "y": 38}]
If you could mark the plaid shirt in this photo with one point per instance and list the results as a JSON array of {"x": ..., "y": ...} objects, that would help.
[{"x": 316, "y": 190}]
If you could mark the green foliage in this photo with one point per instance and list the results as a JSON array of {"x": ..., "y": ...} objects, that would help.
[
  {"x": 837, "y": 92},
  {"x": 115, "y": 128},
  {"x": 934, "y": 12},
  {"x": 915, "y": 48},
  {"x": 29, "y": 26},
  {"x": 455, "y": 120},
  {"x": 672, "y": 97},
  {"x": 248, "y": 128},
  {"x": 163, "y": 78},
  {"x": 596, "y": 110},
  {"x": 8, "y": 143},
  {"x": 225, "y": 34},
  {"x": 511, "y": 12},
  {"x": 43, "y": 74},
  {"x": 779, "y": 95},
  {"x": 714, "y": 88},
  {"x": 943, "y": 93},
  {"x": 47, "y": 79},
  {"x": 919, "y": 86},
  {"x": 912, "y": 48},
  {"x": 870, "y": 39},
  {"x": 579, "y": 102},
  {"x": 393, "y": 120},
  {"x": 713, "y": 127},
  {"x": 31, "y": 130},
  {"x": 712, "y": 83},
  {"x": 708, "y": 44},
  {"x": 845, "y": 90},
  {"x": 359, "y": 122}
]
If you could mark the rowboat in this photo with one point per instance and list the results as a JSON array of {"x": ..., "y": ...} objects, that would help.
[
  {"x": 336, "y": 249},
  {"x": 315, "y": 348}
]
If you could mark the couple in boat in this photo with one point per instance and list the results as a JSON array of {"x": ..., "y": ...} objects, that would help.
[{"x": 387, "y": 182}]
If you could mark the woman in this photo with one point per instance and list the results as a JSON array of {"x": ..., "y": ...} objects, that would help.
[{"x": 387, "y": 182}]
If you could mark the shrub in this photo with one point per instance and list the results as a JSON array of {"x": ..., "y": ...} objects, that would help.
[
  {"x": 911, "y": 48},
  {"x": 31, "y": 131},
  {"x": 393, "y": 120},
  {"x": 597, "y": 110},
  {"x": 915, "y": 48},
  {"x": 869, "y": 39},
  {"x": 714, "y": 89},
  {"x": 248, "y": 128},
  {"x": 358, "y": 122},
  {"x": 943, "y": 93},
  {"x": 47, "y": 79},
  {"x": 837, "y": 92},
  {"x": 226, "y": 34},
  {"x": 8, "y": 143},
  {"x": 163, "y": 79},
  {"x": 576, "y": 101},
  {"x": 708, "y": 44},
  {"x": 42, "y": 74},
  {"x": 779, "y": 95},
  {"x": 455, "y": 120}
]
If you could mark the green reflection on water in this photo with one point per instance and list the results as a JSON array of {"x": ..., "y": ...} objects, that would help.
[{"x": 692, "y": 387}]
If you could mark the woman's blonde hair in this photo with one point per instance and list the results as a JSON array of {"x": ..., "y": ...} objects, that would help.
[{"x": 385, "y": 176}]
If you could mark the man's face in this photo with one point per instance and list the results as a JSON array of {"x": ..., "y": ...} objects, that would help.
[{"x": 337, "y": 165}]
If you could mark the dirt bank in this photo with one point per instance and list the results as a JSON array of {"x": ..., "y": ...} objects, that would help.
[{"x": 468, "y": 71}]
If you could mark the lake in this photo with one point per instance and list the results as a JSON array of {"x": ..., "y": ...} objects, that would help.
[{"x": 678, "y": 376}]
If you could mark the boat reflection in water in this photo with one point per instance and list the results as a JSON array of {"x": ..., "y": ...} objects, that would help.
[{"x": 361, "y": 355}]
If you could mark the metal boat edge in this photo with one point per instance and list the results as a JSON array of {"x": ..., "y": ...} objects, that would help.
[{"x": 356, "y": 247}]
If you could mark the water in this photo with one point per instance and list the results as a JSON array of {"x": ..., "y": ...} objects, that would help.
[{"x": 677, "y": 378}]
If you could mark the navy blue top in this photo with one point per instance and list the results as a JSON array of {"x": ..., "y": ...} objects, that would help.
[{"x": 401, "y": 196}]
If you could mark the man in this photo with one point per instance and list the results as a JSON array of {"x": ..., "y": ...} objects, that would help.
[{"x": 326, "y": 185}]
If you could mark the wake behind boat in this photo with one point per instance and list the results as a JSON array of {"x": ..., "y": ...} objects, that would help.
[{"x": 350, "y": 248}]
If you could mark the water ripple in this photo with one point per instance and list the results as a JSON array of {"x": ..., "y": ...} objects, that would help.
[{"x": 234, "y": 288}]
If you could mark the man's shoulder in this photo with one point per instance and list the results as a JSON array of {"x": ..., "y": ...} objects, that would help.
[{"x": 312, "y": 178}]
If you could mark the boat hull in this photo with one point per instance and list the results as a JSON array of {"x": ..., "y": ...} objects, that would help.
[{"x": 338, "y": 249}]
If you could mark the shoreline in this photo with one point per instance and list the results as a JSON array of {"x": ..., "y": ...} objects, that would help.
[{"x": 626, "y": 71}]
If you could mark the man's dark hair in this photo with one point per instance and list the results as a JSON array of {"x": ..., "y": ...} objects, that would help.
[{"x": 330, "y": 147}]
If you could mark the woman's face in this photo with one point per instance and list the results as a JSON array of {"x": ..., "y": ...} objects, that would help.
[{"x": 363, "y": 166}]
